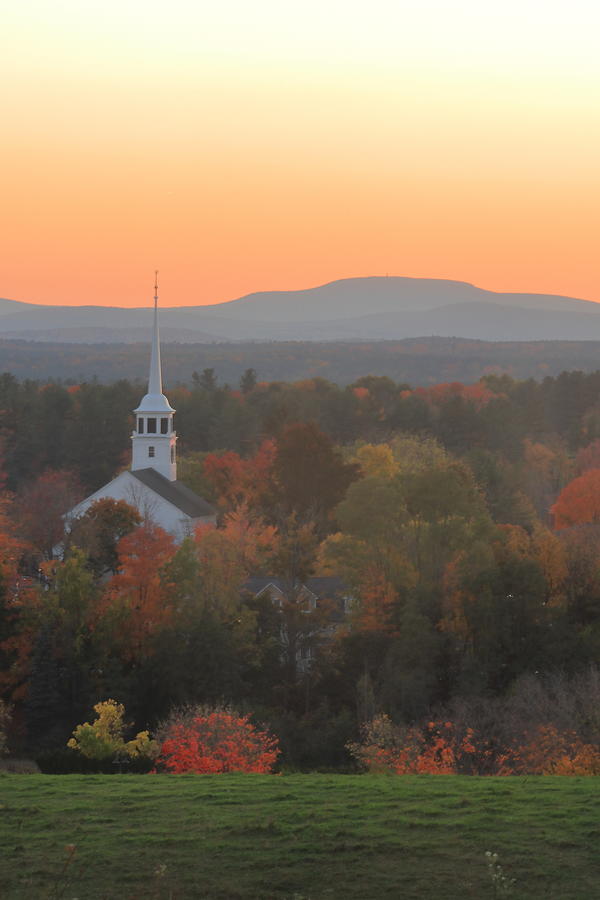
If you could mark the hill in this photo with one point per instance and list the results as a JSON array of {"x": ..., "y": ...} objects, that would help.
[
  {"x": 305, "y": 836},
  {"x": 348, "y": 309}
]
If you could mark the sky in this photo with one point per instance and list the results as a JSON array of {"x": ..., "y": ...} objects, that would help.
[{"x": 242, "y": 146}]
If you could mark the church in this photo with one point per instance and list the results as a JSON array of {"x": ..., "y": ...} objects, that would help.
[{"x": 151, "y": 485}]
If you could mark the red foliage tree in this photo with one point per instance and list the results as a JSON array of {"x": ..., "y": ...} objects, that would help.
[{"x": 204, "y": 740}]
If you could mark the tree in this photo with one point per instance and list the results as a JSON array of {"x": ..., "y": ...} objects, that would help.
[
  {"x": 207, "y": 381},
  {"x": 497, "y": 614},
  {"x": 103, "y": 738},
  {"x": 248, "y": 381},
  {"x": 236, "y": 481},
  {"x": 579, "y": 501},
  {"x": 213, "y": 740},
  {"x": 99, "y": 530},
  {"x": 310, "y": 476},
  {"x": 437, "y": 748},
  {"x": 5, "y": 719},
  {"x": 62, "y": 659},
  {"x": 299, "y": 622},
  {"x": 41, "y": 506},
  {"x": 137, "y": 596}
]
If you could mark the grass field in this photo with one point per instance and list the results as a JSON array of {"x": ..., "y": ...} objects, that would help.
[{"x": 297, "y": 836}]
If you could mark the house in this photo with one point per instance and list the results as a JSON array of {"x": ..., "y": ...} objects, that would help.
[
  {"x": 151, "y": 484},
  {"x": 311, "y": 612}
]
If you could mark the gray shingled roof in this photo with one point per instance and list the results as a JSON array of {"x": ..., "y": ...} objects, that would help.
[
  {"x": 175, "y": 492},
  {"x": 323, "y": 586}
]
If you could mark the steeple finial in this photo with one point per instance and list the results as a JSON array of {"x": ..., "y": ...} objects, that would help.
[{"x": 155, "y": 378}]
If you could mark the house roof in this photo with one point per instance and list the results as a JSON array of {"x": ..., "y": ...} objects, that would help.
[
  {"x": 175, "y": 492},
  {"x": 324, "y": 586}
]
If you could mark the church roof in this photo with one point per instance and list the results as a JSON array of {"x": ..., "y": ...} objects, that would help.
[{"x": 176, "y": 493}]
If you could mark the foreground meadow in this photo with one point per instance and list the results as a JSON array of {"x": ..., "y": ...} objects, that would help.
[{"x": 296, "y": 836}]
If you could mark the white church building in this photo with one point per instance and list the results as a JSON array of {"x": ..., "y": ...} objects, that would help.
[{"x": 151, "y": 484}]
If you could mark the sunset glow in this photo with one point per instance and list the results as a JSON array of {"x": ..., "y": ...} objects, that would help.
[{"x": 242, "y": 147}]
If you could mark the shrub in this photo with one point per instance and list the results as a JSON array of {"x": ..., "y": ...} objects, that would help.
[
  {"x": 548, "y": 751},
  {"x": 444, "y": 748},
  {"x": 438, "y": 748},
  {"x": 103, "y": 738},
  {"x": 204, "y": 740}
]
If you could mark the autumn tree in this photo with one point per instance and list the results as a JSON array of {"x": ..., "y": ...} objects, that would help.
[
  {"x": 579, "y": 501},
  {"x": 103, "y": 738},
  {"x": 237, "y": 481},
  {"x": 437, "y": 748},
  {"x": 399, "y": 532},
  {"x": 309, "y": 474},
  {"x": 208, "y": 647},
  {"x": 99, "y": 530},
  {"x": 40, "y": 509},
  {"x": 136, "y": 597}
]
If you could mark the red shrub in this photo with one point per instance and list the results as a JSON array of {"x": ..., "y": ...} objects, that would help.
[{"x": 204, "y": 740}]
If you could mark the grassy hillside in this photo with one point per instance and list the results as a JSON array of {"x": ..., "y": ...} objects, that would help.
[{"x": 297, "y": 837}]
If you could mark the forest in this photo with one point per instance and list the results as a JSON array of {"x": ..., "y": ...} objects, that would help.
[
  {"x": 419, "y": 361},
  {"x": 461, "y": 523}
]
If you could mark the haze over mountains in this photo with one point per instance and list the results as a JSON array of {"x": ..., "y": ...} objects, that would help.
[{"x": 376, "y": 308}]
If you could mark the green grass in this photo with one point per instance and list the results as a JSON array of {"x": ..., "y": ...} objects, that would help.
[{"x": 303, "y": 836}]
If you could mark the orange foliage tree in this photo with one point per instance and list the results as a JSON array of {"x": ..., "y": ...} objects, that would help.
[
  {"x": 136, "y": 595},
  {"x": 549, "y": 751},
  {"x": 579, "y": 501},
  {"x": 204, "y": 740},
  {"x": 237, "y": 481},
  {"x": 439, "y": 748}
]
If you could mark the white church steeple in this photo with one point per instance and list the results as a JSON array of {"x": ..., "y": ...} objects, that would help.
[{"x": 153, "y": 441}]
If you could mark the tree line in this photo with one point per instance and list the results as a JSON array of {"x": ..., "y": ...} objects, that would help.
[{"x": 463, "y": 521}]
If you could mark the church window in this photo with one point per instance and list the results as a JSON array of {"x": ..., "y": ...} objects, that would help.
[
  {"x": 151, "y": 451},
  {"x": 140, "y": 426},
  {"x": 151, "y": 426},
  {"x": 164, "y": 426},
  {"x": 172, "y": 453}
]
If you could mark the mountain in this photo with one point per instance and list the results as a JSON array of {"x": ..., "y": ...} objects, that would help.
[{"x": 350, "y": 309}]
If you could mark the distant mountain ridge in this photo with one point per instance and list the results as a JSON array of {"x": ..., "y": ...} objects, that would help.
[{"x": 374, "y": 308}]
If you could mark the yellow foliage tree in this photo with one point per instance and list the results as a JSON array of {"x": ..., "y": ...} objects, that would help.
[{"x": 103, "y": 738}]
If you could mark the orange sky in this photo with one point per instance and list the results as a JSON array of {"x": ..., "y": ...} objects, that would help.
[{"x": 280, "y": 145}]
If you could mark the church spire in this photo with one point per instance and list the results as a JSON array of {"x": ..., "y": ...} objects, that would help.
[
  {"x": 154, "y": 438},
  {"x": 155, "y": 377}
]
